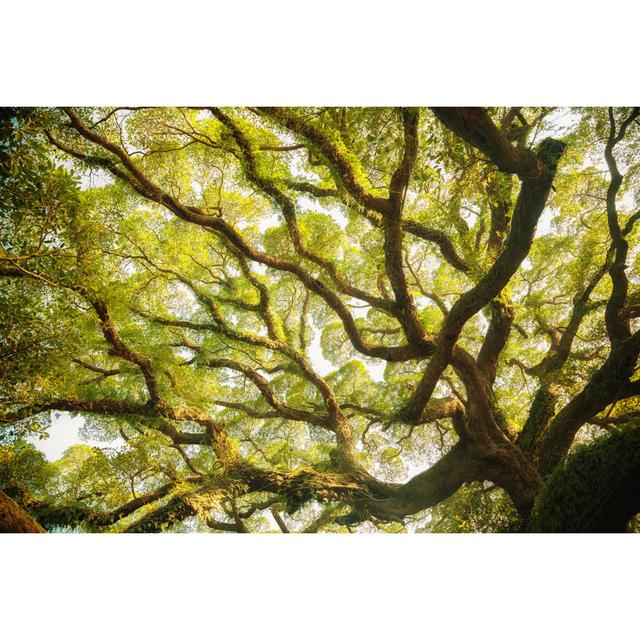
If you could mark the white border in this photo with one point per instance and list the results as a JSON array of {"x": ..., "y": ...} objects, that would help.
[
  {"x": 324, "y": 586},
  {"x": 333, "y": 52},
  {"x": 347, "y": 52}
]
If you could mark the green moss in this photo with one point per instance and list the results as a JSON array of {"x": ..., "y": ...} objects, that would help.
[
  {"x": 550, "y": 151},
  {"x": 577, "y": 495}
]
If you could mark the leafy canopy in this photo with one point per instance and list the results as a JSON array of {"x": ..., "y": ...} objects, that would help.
[{"x": 314, "y": 318}]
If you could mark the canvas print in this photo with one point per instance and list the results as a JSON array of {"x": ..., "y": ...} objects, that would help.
[{"x": 319, "y": 319}]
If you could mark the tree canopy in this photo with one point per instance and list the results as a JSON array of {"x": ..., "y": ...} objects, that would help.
[{"x": 322, "y": 319}]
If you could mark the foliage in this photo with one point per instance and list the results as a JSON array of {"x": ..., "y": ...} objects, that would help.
[
  {"x": 577, "y": 493},
  {"x": 341, "y": 319},
  {"x": 475, "y": 510}
]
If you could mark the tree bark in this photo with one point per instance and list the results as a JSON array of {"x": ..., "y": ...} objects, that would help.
[{"x": 14, "y": 519}]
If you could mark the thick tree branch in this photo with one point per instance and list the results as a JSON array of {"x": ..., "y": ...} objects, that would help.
[{"x": 529, "y": 207}]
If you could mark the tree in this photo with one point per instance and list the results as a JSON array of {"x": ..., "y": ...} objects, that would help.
[{"x": 277, "y": 315}]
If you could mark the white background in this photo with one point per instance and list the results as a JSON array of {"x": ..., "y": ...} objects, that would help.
[{"x": 333, "y": 52}]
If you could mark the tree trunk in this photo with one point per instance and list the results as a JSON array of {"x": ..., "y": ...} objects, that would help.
[
  {"x": 14, "y": 519},
  {"x": 597, "y": 489}
]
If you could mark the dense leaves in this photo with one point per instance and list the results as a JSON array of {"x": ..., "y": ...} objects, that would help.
[{"x": 340, "y": 319}]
